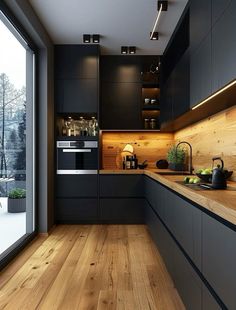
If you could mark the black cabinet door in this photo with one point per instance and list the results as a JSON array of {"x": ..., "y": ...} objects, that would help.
[
  {"x": 200, "y": 22},
  {"x": 76, "y": 211},
  {"x": 218, "y": 259},
  {"x": 155, "y": 195},
  {"x": 76, "y": 95},
  {"x": 121, "y": 106},
  {"x": 121, "y": 69},
  {"x": 71, "y": 186},
  {"x": 166, "y": 104},
  {"x": 186, "y": 281},
  {"x": 201, "y": 72},
  {"x": 76, "y": 61},
  {"x": 122, "y": 210},
  {"x": 181, "y": 85},
  {"x": 121, "y": 186},
  {"x": 208, "y": 301},
  {"x": 224, "y": 48},
  {"x": 218, "y": 8}
]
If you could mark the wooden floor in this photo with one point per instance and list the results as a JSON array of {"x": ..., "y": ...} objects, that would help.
[{"x": 89, "y": 267}]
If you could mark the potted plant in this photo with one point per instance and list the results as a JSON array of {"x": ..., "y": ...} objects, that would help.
[
  {"x": 176, "y": 158},
  {"x": 17, "y": 200}
]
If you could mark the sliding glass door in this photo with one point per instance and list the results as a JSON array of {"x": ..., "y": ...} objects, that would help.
[{"x": 17, "y": 138}]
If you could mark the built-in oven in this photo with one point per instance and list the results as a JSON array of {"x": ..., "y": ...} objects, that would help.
[{"x": 77, "y": 157}]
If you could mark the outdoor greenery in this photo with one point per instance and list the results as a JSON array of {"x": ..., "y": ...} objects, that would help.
[
  {"x": 17, "y": 193},
  {"x": 176, "y": 155}
]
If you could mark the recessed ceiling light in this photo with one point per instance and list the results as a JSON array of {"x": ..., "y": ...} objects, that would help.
[
  {"x": 154, "y": 36},
  {"x": 132, "y": 49}
]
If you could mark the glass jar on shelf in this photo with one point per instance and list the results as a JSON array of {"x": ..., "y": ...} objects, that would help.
[
  {"x": 146, "y": 123},
  {"x": 153, "y": 123}
]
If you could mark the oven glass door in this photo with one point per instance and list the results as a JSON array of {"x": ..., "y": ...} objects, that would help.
[{"x": 77, "y": 160}]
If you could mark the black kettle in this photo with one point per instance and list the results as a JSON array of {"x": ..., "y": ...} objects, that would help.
[{"x": 218, "y": 175}]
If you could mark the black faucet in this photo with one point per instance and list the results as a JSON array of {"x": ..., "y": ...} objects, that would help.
[{"x": 190, "y": 155}]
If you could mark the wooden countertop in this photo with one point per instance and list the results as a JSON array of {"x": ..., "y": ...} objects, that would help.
[{"x": 219, "y": 202}]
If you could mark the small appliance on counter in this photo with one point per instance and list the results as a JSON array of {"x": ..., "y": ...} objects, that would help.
[
  {"x": 218, "y": 175},
  {"x": 162, "y": 164},
  {"x": 129, "y": 159}
]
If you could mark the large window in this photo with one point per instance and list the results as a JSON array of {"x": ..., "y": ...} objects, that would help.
[{"x": 16, "y": 138}]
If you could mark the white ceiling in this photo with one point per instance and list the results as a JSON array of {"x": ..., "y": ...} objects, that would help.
[{"x": 119, "y": 22}]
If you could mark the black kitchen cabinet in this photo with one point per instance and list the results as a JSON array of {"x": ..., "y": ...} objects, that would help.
[
  {"x": 74, "y": 186},
  {"x": 122, "y": 198},
  {"x": 155, "y": 195},
  {"x": 76, "y": 210},
  {"x": 224, "y": 48},
  {"x": 76, "y": 61},
  {"x": 200, "y": 22},
  {"x": 186, "y": 281},
  {"x": 218, "y": 8},
  {"x": 218, "y": 259},
  {"x": 201, "y": 72},
  {"x": 121, "y": 105},
  {"x": 122, "y": 210},
  {"x": 120, "y": 69},
  {"x": 166, "y": 115},
  {"x": 76, "y": 78},
  {"x": 208, "y": 301}
]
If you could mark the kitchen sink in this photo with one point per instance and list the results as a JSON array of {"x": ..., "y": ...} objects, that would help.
[
  {"x": 203, "y": 186},
  {"x": 173, "y": 173}
]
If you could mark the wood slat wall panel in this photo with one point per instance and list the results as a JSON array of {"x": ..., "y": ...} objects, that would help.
[
  {"x": 151, "y": 146},
  {"x": 215, "y": 136}
]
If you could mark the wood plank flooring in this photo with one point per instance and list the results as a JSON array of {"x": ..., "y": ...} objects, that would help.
[{"x": 89, "y": 267}]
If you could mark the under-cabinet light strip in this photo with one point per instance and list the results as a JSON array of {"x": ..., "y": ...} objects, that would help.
[
  {"x": 214, "y": 95},
  {"x": 155, "y": 24}
]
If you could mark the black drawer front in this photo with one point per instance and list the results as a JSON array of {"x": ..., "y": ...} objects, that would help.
[
  {"x": 71, "y": 186},
  {"x": 122, "y": 210},
  {"x": 121, "y": 186},
  {"x": 76, "y": 210}
]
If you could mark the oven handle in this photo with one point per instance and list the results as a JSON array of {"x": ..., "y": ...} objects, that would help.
[{"x": 76, "y": 150}]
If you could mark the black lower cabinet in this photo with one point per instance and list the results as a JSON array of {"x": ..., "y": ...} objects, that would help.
[
  {"x": 76, "y": 210},
  {"x": 218, "y": 259},
  {"x": 208, "y": 301},
  {"x": 122, "y": 210}
]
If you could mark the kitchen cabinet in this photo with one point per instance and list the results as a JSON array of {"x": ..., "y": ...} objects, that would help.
[
  {"x": 166, "y": 115},
  {"x": 201, "y": 72},
  {"x": 218, "y": 8},
  {"x": 76, "y": 210},
  {"x": 76, "y": 61},
  {"x": 224, "y": 48},
  {"x": 218, "y": 259},
  {"x": 76, "y": 95},
  {"x": 208, "y": 301},
  {"x": 76, "y": 78},
  {"x": 121, "y": 106},
  {"x": 155, "y": 195},
  {"x": 122, "y": 198},
  {"x": 200, "y": 22}
]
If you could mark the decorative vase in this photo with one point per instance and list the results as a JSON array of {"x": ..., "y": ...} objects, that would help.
[
  {"x": 16, "y": 205},
  {"x": 177, "y": 167}
]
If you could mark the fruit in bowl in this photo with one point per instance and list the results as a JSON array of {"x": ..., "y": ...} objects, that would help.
[{"x": 205, "y": 174}]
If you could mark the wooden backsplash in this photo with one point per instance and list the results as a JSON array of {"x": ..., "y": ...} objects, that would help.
[
  {"x": 151, "y": 146},
  {"x": 215, "y": 136}
]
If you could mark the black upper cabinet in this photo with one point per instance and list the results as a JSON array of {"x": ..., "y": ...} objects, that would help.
[
  {"x": 76, "y": 95},
  {"x": 218, "y": 8},
  {"x": 224, "y": 48},
  {"x": 121, "y": 105},
  {"x": 200, "y": 21},
  {"x": 201, "y": 72},
  {"x": 76, "y": 61},
  {"x": 122, "y": 69},
  {"x": 76, "y": 78}
]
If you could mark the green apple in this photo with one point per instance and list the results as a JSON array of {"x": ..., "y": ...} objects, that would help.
[
  {"x": 196, "y": 180},
  {"x": 186, "y": 180},
  {"x": 191, "y": 180}
]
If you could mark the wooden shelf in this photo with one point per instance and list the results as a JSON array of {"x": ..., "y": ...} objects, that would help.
[{"x": 151, "y": 107}]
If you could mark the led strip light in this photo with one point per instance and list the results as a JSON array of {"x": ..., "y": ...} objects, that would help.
[{"x": 155, "y": 24}]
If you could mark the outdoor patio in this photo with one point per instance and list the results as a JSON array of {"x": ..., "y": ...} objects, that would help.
[{"x": 12, "y": 226}]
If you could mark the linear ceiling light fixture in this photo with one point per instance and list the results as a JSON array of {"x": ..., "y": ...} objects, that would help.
[
  {"x": 161, "y": 6},
  {"x": 215, "y": 94}
]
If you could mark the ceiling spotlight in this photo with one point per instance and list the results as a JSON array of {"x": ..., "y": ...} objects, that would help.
[
  {"x": 132, "y": 49},
  {"x": 86, "y": 38},
  {"x": 96, "y": 38},
  {"x": 124, "y": 49},
  {"x": 154, "y": 36}
]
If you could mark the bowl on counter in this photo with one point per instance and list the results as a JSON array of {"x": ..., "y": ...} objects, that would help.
[{"x": 208, "y": 177}]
